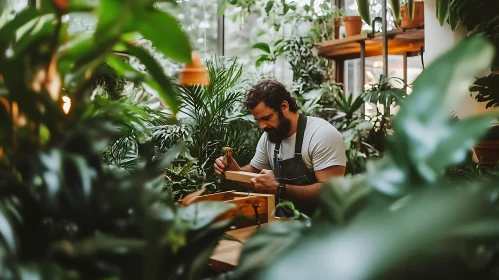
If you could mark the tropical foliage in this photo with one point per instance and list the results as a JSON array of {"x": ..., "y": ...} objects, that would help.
[
  {"x": 215, "y": 117},
  {"x": 66, "y": 213}
]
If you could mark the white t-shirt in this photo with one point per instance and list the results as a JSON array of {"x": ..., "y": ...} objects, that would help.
[{"x": 322, "y": 147}]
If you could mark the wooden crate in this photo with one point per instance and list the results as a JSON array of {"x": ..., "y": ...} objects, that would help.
[{"x": 265, "y": 206}]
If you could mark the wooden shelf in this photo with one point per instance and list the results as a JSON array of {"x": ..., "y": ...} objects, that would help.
[{"x": 399, "y": 41}]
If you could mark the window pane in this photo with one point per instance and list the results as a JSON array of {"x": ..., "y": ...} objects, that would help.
[
  {"x": 200, "y": 21},
  {"x": 374, "y": 69}
]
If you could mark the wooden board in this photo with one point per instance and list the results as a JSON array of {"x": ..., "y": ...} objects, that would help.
[
  {"x": 226, "y": 255},
  {"x": 239, "y": 176}
]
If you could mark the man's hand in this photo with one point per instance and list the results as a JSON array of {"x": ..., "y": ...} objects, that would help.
[
  {"x": 219, "y": 166},
  {"x": 265, "y": 182}
]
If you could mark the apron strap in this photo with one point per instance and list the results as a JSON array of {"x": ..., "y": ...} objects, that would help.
[{"x": 300, "y": 131}]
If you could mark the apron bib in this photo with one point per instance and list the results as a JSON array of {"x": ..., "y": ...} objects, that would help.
[{"x": 294, "y": 171}]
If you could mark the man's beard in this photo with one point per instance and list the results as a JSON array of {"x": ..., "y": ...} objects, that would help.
[{"x": 281, "y": 132}]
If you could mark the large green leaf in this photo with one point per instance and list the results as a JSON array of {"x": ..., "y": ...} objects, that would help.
[
  {"x": 161, "y": 82},
  {"x": 113, "y": 15},
  {"x": 266, "y": 246},
  {"x": 341, "y": 198},
  {"x": 422, "y": 124},
  {"x": 170, "y": 40},
  {"x": 204, "y": 213},
  {"x": 373, "y": 247},
  {"x": 8, "y": 31}
]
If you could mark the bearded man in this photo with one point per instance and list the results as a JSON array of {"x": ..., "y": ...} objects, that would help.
[{"x": 295, "y": 155}]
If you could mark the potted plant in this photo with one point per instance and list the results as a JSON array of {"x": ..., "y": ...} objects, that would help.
[
  {"x": 353, "y": 25},
  {"x": 337, "y": 15},
  {"x": 412, "y": 14},
  {"x": 487, "y": 89},
  {"x": 327, "y": 24}
]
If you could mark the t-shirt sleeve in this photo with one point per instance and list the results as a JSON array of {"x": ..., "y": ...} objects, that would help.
[
  {"x": 327, "y": 148},
  {"x": 260, "y": 159}
]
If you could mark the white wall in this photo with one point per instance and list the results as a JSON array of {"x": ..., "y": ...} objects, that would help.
[{"x": 439, "y": 39}]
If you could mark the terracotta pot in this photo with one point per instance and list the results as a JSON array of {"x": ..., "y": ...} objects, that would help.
[
  {"x": 487, "y": 150},
  {"x": 336, "y": 24},
  {"x": 418, "y": 19},
  {"x": 353, "y": 25}
]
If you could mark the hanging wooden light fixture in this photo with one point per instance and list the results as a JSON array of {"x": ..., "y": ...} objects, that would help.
[{"x": 194, "y": 73}]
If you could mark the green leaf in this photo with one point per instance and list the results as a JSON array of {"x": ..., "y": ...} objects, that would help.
[
  {"x": 7, "y": 231},
  {"x": 203, "y": 213},
  {"x": 124, "y": 69},
  {"x": 262, "y": 46},
  {"x": 269, "y": 6},
  {"x": 341, "y": 198},
  {"x": 454, "y": 141},
  {"x": 436, "y": 92},
  {"x": 161, "y": 82},
  {"x": 442, "y": 10},
  {"x": 42, "y": 270},
  {"x": 170, "y": 40},
  {"x": 172, "y": 153},
  {"x": 262, "y": 59},
  {"x": 285, "y": 9},
  {"x": 8, "y": 31},
  {"x": 98, "y": 244},
  {"x": 395, "y": 8},
  {"x": 364, "y": 6},
  {"x": 112, "y": 16},
  {"x": 410, "y": 8},
  {"x": 365, "y": 249},
  {"x": 266, "y": 246}
]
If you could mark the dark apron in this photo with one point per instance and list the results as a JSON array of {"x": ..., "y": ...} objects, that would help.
[{"x": 293, "y": 171}]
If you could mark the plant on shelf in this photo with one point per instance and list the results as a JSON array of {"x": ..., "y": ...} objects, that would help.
[
  {"x": 327, "y": 24},
  {"x": 65, "y": 213},
  {"x": 386, "y": 95},
  {"x": 487, "y": 90},
  {"x": 411, "y": 11}
]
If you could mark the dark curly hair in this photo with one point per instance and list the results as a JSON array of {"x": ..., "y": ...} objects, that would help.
[{"x": 270, "y": 92}]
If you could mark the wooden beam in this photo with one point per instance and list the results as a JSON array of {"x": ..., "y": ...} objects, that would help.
[{"x": 240, "y": 176}]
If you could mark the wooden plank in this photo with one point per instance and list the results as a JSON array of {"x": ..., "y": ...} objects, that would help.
[
  {"x": 270, "y": 203},
  {"x": 226, "y": 255},
  {"x": 405, "y": 40},
  {"x": 239, "y": 176},
  {"x": 221, "y": 196}
]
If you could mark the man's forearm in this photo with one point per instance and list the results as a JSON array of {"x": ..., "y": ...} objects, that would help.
[{"x": 308, "y": 194}]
